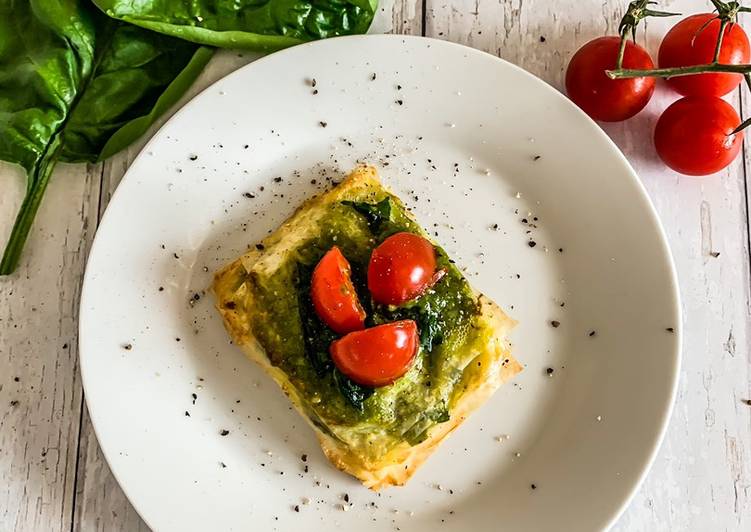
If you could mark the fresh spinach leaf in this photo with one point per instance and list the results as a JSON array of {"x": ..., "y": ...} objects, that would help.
[
  {"x": 376, "y": 214},
  {"x": 139, "y": 75},
  {"x": 256, "y": 24},
  {"x": 78, "y": 86}
]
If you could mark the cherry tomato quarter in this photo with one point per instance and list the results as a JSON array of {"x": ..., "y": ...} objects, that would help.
[
  {"x": 379, "y": 355},
  {"x": 401, "y": 268},
  {"x": 693, "y": 135},
  {"x": 333, "y": 294},
  {"x": 690, "y": 43},
  {"x": 602, "y": 98}
]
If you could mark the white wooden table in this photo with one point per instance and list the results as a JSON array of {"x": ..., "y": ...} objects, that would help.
[{"x": 52, "y": 474}]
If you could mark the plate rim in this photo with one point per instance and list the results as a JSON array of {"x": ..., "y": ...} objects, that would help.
[{"x": 595, "y": 129}]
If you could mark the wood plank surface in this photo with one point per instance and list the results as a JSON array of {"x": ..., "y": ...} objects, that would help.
[
  {"x": 40, "y": 389},
  {"x": 52, "y": 473}
]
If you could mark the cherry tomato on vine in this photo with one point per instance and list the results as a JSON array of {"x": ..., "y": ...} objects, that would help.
[
  {"x": 602, "y": 98},
  {"x": 401, "y": 268},
  {"x": 377, "y": 356},
  {"x": 693, "y": 135},
  {"x": 333, "y": 294},
  {"x": 690, "y": 42}
]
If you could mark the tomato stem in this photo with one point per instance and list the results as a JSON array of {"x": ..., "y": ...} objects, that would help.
[
  {"x": 625, "y": 73},
  {"x": 621, "y": 49},
  {"x": 723, "y": 25},
  {"x": 743, "y": 125},
  {"x": 726, "y": 14},
  {"x": 636, "y": 11}
]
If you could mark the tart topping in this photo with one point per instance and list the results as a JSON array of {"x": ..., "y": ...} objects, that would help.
[
  {"x": 379, "y": 355},
  {"x": 401, "y": 268},
  {"x": 334, "y": 296}
]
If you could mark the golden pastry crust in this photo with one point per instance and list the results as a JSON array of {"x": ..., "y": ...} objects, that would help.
[{"x": 492, "y": 365}]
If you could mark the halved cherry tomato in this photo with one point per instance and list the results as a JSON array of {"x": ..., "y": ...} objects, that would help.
[
  {"x": 401, "y": 268},
  {"x": 693, "y": 135},
  {"x": 602, "y": 98},
  {"x": 377, "y": 356},
  {"x": 690, "y": 43},
  {"x": 334, "y": 296}
]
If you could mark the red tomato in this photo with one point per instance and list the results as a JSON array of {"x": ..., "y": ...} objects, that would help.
[
  {"x": 693, "y": 135},
  {"x": 688, "y": 44},
  {"x": 334, "y": 296},
  {"x": 602, "y": 98},
  {"x": 401, "y": 268},
  {"x": 377, "y": 356}
]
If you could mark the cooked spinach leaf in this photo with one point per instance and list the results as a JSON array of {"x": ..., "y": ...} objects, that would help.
[
  {"x": 439, "y": 414},
  {"x": 318, "y": 338},
  {"x": 353, "y": 392},
  {"x": 373, "y": 211},
  {"x": 78, "y": 86},
  {"x": 427, "y": 313},
  {"x": 376, "y": 214},
  {"x": 418, "y": 432},
  {"x": 255, "y": 24}
]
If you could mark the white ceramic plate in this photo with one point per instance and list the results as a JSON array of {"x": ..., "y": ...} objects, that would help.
[{"x": 481, "y": 150}]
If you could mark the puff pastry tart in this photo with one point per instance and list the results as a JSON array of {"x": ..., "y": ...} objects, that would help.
[{"x": 368, "y": 327}]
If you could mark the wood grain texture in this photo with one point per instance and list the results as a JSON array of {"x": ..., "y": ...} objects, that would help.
[
  {"x": 52, "y": 473},
  {"x": 398, "y": 16},
  {"x": 40, "y": 389}
]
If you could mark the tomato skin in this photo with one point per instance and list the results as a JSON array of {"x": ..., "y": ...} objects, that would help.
[
  {"x": 602, "y": 98},
  {"x": 401, "y": 268},
  {"x": 692, "y": 138},
  {"x": 686, "y": 45},
  {"x": 379, "y": 355},
  {"x": 333, "y": 294}
]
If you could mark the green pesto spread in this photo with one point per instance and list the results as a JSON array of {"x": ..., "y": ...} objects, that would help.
[{"x": 297, "y": 341}]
